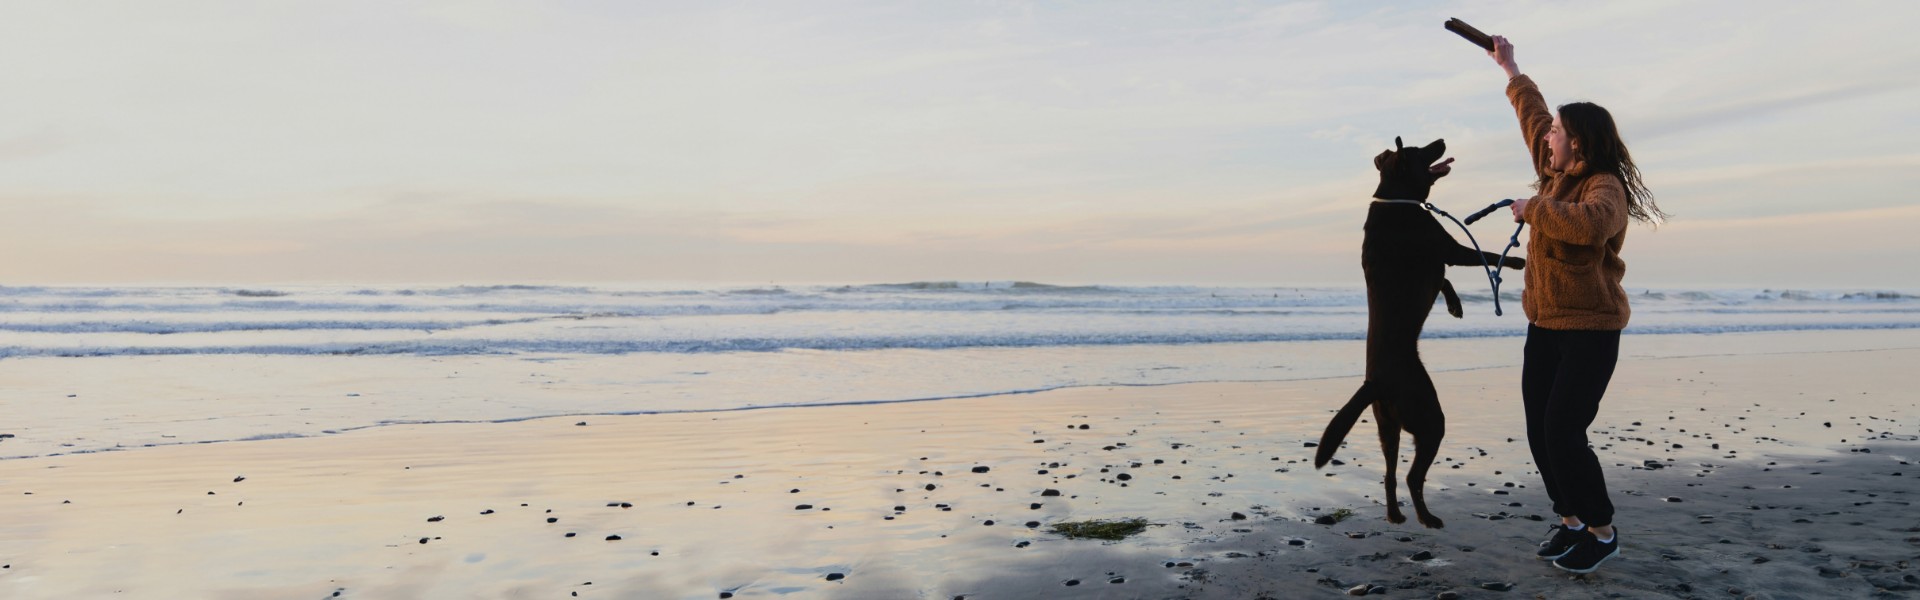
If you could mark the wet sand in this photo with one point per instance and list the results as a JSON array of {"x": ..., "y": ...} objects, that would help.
[{"x": 1772, "y": 476}]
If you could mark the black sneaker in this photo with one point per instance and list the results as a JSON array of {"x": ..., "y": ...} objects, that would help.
[
  {"x": 1563, "y": 540},
  {"x": 1586, "y": 556}
]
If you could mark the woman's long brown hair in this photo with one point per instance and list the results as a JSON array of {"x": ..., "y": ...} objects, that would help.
[{"x": 1604, "y": 152}]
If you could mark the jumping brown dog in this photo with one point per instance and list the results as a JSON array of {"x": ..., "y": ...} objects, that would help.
[{"x": 1405, "y": 255}]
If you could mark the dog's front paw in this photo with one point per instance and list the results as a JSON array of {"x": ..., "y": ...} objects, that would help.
[
  {"x": 1394, "y": 516},
  {"x": 1432, "y": 522}
]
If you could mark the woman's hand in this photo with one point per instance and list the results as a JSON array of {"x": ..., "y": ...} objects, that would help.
[
  {"x": 1519, "y": 207},
  {"x": 1503, "y": 55}
]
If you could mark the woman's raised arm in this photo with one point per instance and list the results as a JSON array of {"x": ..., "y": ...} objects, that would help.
[{"x": 1535, "y": 120}]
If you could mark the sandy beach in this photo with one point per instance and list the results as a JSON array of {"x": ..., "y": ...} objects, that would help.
[{"x": 1775, "y": 475}]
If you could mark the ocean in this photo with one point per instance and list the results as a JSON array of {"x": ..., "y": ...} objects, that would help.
[{"x": 101, "y": 368}]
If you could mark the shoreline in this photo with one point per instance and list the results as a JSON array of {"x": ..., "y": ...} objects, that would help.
[
  {"x": 166, "y": 401},
  {"x": 306, "y": 517}
]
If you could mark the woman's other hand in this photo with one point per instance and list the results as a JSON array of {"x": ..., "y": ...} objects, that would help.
[
  {"x": 1519, "y": 208},
  {"x": 1503, "y": 55}
]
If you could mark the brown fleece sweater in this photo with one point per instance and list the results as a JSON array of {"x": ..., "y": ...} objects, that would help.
[{"x": 1577, "y": 226}]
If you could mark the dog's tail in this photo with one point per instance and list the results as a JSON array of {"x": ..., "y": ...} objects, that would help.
[{"x": 1342, "y": 423}]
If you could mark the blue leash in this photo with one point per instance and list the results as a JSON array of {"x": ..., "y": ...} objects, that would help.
[{"x": 1493, "y": 271}]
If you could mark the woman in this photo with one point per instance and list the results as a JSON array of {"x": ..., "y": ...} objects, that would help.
[{"x": 1589, "y": 189}]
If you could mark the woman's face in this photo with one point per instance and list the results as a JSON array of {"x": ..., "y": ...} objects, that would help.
[{"x": 1559, "y": 148}]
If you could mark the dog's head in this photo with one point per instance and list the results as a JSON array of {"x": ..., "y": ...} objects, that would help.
[{"x": 1404, "y": 173}]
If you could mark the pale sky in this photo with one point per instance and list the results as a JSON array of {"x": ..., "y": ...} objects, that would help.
[{"x": 503, "y": 141}]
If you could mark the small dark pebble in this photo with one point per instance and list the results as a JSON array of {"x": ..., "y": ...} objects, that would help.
[
  {"x": 1050, "y": 493},
  {"x": 435, "y": 519},
  {"x": 1497, "y": 586},
  {"x": 803, "y": 507},
  {"x": 553, "y": 519},
  {"x": 1421, "y": 555},
  {"x": 980, "y": 469},
  {"x": 613, "y": 538},
  {"x": 836, "y": 576}
]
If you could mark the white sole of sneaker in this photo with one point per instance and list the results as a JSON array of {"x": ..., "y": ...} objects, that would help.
[{"x": 1596, "y": 565}]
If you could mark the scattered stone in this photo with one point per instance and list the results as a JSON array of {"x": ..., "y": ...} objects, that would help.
[
  {"x": 803, "y": 507},
  {"x": 613, "y": 538},
  {"x": 1050, "y": 493},
  {"x": 1239, "y": 517},
  {"x": 836, "y": 576},
  {"x": 980, "y": 469},
  {"x": 1497, "y": 586},
  {"x": 1421, "y": 555},
  {"x": 435, "y": 519}
]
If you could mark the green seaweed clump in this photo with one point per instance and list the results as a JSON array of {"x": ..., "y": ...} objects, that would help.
[{"x": 1102, "y": 529}]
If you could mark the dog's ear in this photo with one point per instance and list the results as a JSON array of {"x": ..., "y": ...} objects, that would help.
[
  {"x": 1384, "y": 162},
  {"x": 1396, "y": 144}
]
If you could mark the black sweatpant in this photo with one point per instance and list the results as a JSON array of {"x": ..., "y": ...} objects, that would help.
[{"x": 1561, "y": 382}]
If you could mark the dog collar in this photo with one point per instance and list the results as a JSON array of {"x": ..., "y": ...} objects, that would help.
[{"x": 1413, "y": 202}]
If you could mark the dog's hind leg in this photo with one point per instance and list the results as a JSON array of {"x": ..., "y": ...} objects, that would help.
[
  {"x": 1390, "y": 445},
  {"x": 1342, "y": 423},
  {"x": 1426, "y": 445}
]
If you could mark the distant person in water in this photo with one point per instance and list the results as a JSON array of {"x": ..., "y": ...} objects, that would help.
[{"x": 1589, "y": 190}]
